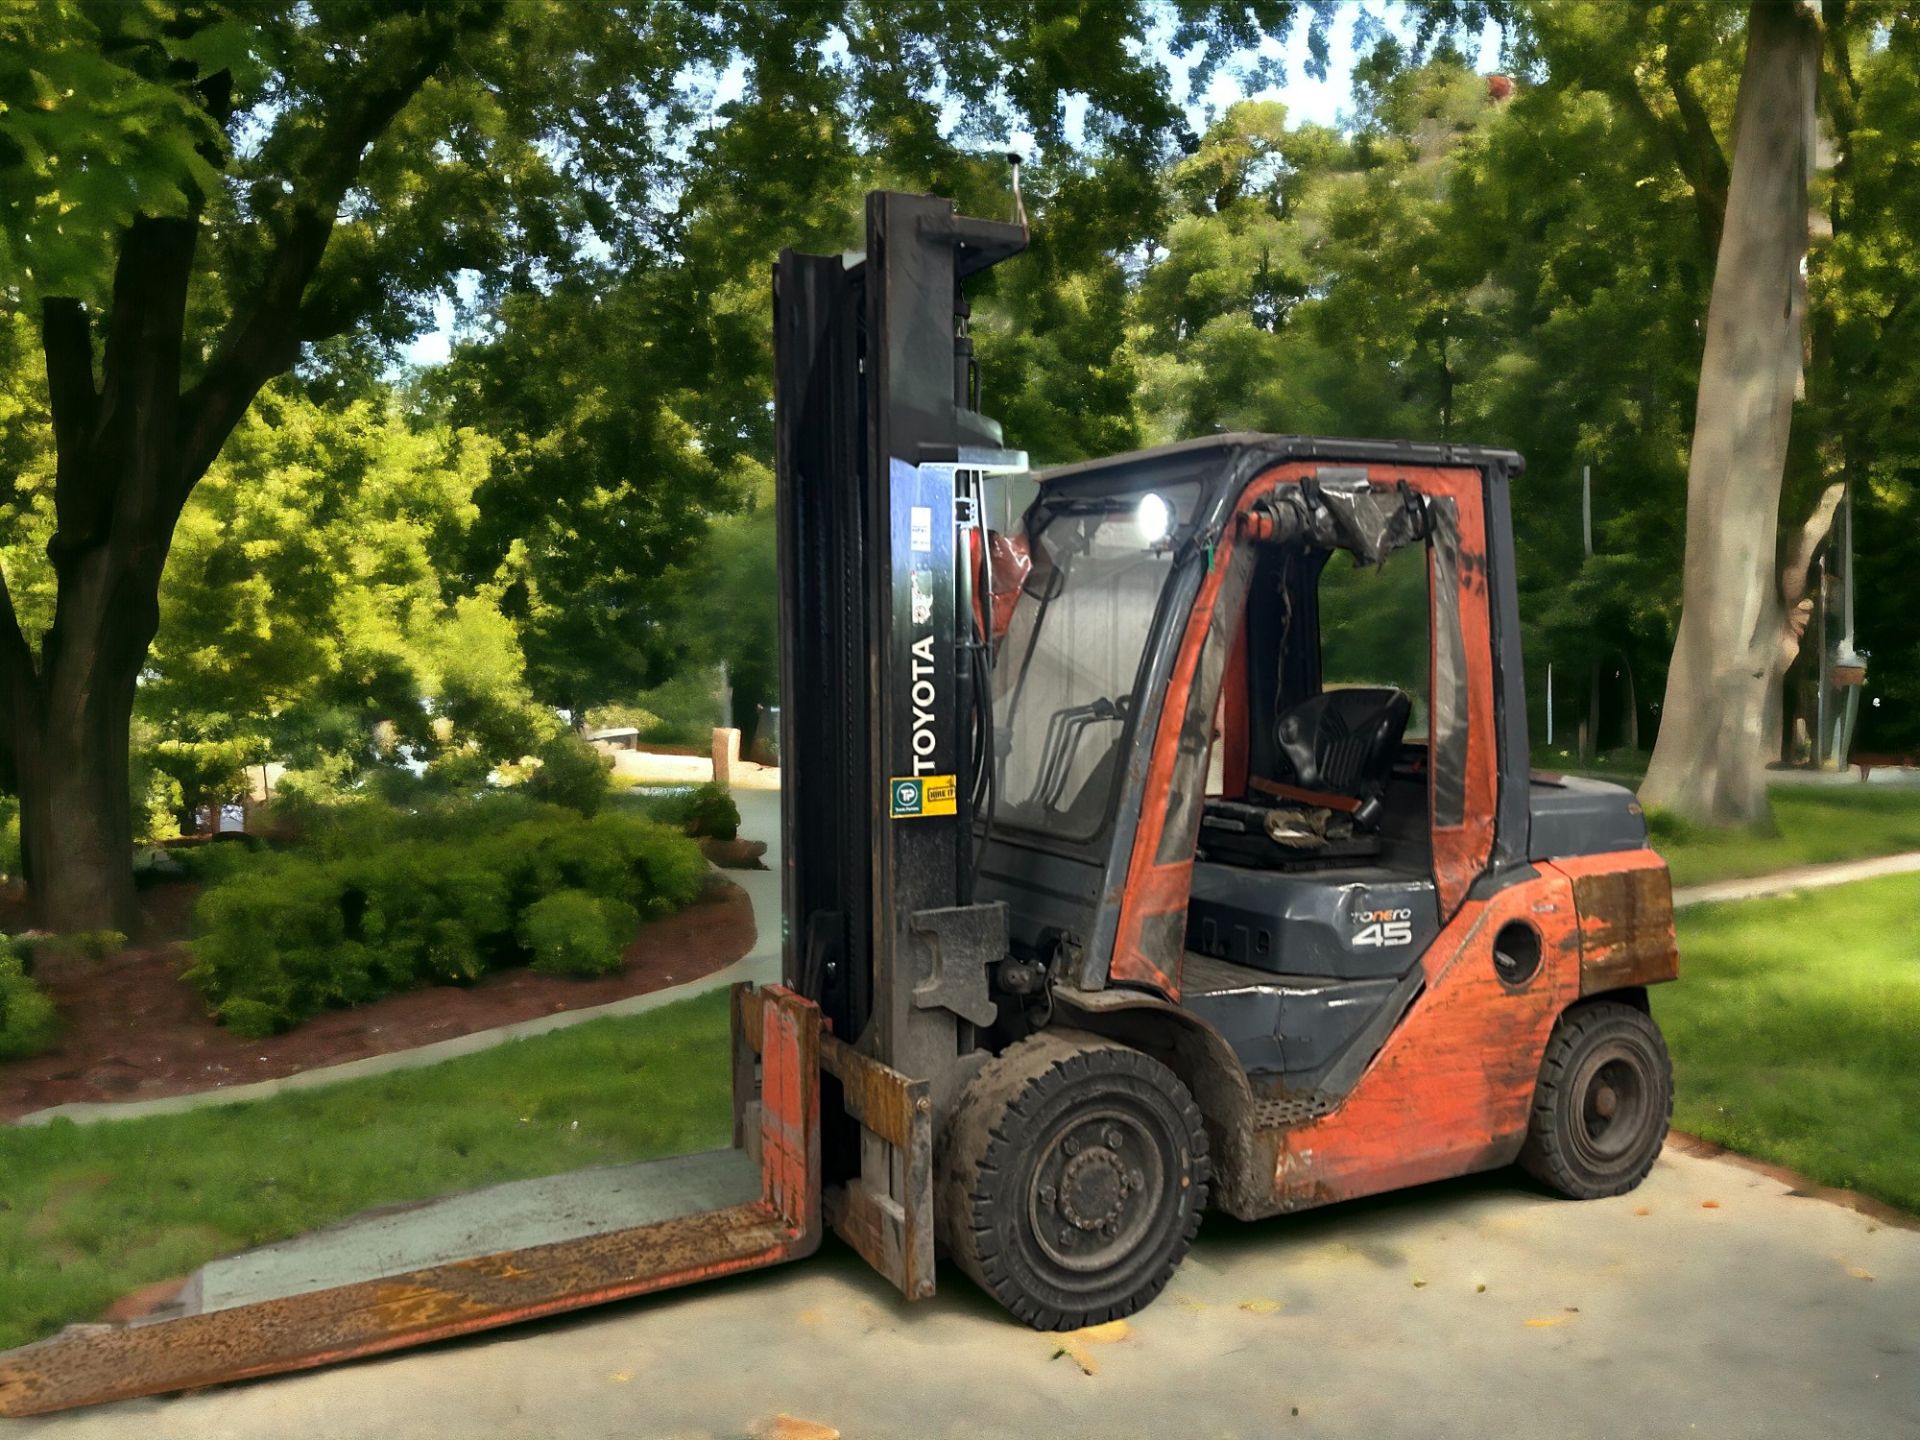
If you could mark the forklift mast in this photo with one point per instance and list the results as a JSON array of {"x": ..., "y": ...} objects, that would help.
[{"x": 880, "y": 452}]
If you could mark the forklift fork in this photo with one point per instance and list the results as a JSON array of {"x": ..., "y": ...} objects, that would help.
[{"x": 778, "y": 1051}]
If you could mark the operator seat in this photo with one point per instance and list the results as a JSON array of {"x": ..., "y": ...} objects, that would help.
[
  {"x": 1337, "y": 749},
  {"x": 1334, "y": 754}
]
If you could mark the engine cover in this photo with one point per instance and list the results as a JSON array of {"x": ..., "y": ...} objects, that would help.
[{"x": 1349, "y": 924}]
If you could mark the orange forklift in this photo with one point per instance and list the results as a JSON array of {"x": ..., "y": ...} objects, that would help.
[{"x": 1159, "y": 836}]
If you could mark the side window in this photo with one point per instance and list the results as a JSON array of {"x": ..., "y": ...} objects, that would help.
[{"x": 1375, "y": 628}]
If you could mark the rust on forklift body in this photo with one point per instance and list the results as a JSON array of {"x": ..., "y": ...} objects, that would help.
[{"x": 1626, "y": 920}]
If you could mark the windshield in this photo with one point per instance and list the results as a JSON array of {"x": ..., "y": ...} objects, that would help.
[{"x": 1065, "y": 675}]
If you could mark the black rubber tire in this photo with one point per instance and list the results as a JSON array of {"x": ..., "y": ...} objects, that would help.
[
  {"x": 1602, "y": 1104},
  {"x": 1073, "y": 1179}
]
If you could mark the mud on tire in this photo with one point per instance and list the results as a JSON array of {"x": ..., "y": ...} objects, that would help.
[{"x": 1073, "y": 1179}]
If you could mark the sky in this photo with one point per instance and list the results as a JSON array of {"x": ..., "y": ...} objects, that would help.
[{"x": 1308, "y": 101}]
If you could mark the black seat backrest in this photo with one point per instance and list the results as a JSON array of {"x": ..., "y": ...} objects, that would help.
[{"x": 1343, "y": 742}]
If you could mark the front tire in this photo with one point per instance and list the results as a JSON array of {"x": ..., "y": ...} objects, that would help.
[
  {"x": 1073, "y": 1180},
  {"x": 1603, "y": 1102}
]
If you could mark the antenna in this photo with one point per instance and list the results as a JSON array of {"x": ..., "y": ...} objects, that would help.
[{"x": 1019, "y": 205}]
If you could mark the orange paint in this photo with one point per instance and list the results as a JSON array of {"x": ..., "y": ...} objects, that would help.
[{"x": 1451, "y": 1089}]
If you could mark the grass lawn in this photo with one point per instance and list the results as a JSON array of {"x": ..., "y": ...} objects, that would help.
[
  {"x": 1795, "y": 1028},
  {"x": 90, "y": 1212},
  {"x": 1812, "y": 824}
]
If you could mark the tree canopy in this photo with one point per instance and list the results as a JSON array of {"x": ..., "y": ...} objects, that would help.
[{"x": 220, "y": 223}]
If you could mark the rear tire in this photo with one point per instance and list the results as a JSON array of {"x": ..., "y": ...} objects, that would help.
[
  {"x": 1073, "y": 1179},
  {"x": 1602, "y": 1104}
]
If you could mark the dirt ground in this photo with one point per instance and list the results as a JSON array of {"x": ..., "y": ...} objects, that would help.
[{"x": 136, "y": 1031}]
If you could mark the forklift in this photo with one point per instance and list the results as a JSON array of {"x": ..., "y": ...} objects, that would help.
[{"x": 1159, "y": 837}]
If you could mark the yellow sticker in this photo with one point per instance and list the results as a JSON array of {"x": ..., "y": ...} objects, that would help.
[{"x": 911, "y": 796}]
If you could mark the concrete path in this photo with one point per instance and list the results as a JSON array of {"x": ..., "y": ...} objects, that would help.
[
  {"x": 1712, "y": 1302},
  {"x": 1800, "y": 877},
  {"x": 1715, "y": 1301}
]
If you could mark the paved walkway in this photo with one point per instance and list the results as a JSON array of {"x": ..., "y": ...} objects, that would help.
[
  {"x": 1800, "y": 877},
  {"x": 1712, "y": 1302}
]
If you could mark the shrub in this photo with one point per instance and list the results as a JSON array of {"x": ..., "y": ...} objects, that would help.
[
  {"x": 571, "y": 932},
  {"x": 572, "y": 773},
  {"x": 275, "y": 939},
  {"x": 683, "y": 711},
  {"x": 88, "y": 944},
  {"x": 711, "y": 812},
  {"x": 384, "y": 900},
  {"x": 28, "y": 1022},
  {"x": 705, "y": 810}
]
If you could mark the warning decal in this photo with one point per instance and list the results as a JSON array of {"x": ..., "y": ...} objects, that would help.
[{"x": 911, "y": 796}]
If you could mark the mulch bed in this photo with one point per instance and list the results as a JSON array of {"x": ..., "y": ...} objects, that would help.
[{"x": 136, "y": 1031}]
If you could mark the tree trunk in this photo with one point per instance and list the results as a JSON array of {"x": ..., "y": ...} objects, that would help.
[
  {"x": 76, "y": 819},
  {"x": 72, "y": 753},
  {"x": 118, "y": 493},
  {"x": 1737, "y": 630}
]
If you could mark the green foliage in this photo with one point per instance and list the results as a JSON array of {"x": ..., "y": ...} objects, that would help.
[
  {"x": 95, "y": 128},
  {"x": 28, "y": 1021},
  {"x": 169, "y": 1193},
  {"x": 680, "y": 711},
  {"x": 308, "y": 615},
  {"x": 87, "y": 944},
  {"x": 1793, "y": 1032},
  {"x": 572, "y": 773},
  {"x": 383, "y": 900},
  {"x": 571, "y": 932},
  {"x": 707, "y": 810}
]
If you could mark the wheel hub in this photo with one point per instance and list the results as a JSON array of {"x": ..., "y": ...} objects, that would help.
[
  {"x": 1091, "y": 1199},
  {"x": 1614, "y": 1094},
  {"x": 1093, "y": 1189}
]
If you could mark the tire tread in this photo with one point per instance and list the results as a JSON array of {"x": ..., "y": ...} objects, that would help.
[
  {"x": 1028, "y": 1078},
  {"x": 1544, "y": 1155}
]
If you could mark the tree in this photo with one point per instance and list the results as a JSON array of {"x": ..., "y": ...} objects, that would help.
[
  {"x": 303, "y": 171},
  {"x": 317, "y": 624},
  {"x": 1743, "y": 611}
]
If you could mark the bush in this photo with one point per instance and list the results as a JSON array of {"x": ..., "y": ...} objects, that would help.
[
  {"x": 705, "y": 810},
  {"x": 88, "y": 944},
  {"x": 28, "y": 1022},
  {"x": 683, "y": 711},
  {"x": 572, "y": 773},
  {"x": 383, "y": 901},
  {"x": 571, "y": 932}
]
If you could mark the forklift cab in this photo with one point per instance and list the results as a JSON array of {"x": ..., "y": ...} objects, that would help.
[
  {"x": 1244, "y": 757},
  {"x": 1259, "y": 734}
]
